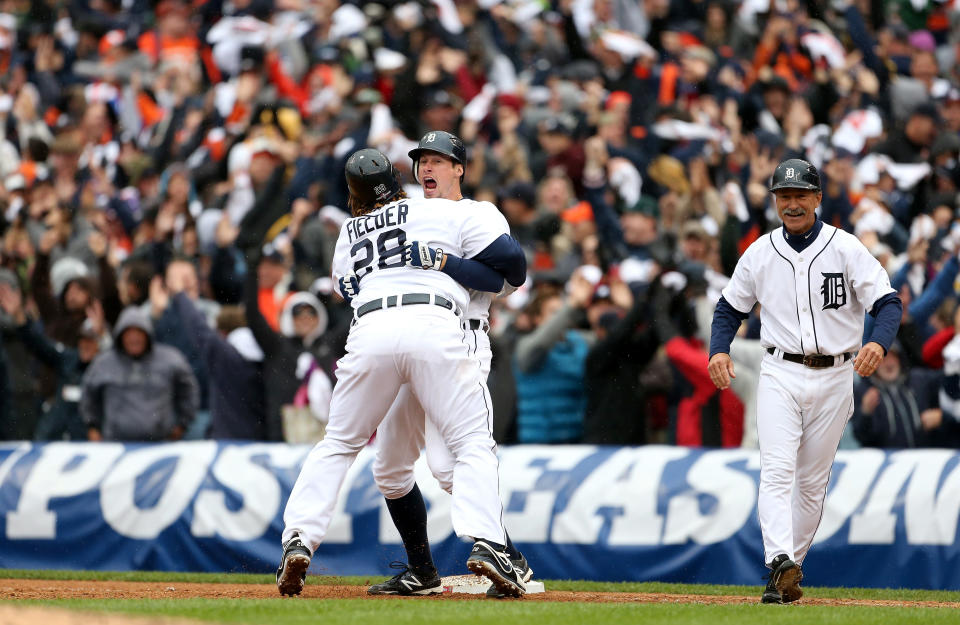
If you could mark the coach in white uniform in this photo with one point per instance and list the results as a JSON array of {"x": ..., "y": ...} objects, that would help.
[
  {"x": 813, "y": 283},
  {"x": 407, "y": 331}
]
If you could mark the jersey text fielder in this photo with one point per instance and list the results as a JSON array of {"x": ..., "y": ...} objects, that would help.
[
  {"x": 814, "y": 283},
  {"x": 407, "y": 330}
]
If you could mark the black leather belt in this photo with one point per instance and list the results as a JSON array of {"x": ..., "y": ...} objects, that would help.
[
  {"x": 814, "y": 361},
  {"x": 476, "y": 324},
  {"x": 404, "y": 300}
]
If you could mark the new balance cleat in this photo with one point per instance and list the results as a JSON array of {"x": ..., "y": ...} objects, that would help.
[{"x": 408, "y": 583}]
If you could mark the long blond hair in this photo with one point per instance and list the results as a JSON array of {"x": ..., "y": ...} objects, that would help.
[{"x": 357, "y": 208}]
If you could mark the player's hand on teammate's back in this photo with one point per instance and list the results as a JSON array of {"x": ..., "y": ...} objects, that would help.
[
  {"x": 721, "y": 370},
  {"x": 868, "y": 359},
  {"x": 417, "y": 254},
  {"x": 349, "y": 286}
]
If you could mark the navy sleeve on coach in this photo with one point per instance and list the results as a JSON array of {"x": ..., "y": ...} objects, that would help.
[
  {"x": 888, "y": 311},
  {"x": 507, "y": 257},
  {"x": 726, "y": 321},
  {"x": 473, "y": 274}
]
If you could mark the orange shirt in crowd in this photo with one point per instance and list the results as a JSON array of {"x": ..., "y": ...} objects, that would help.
[
  {"x": 270, "y": 308},
  {"x": 161, "y": 48}
]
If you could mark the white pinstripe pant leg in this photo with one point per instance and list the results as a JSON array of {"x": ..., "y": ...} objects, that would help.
[
  {"x": 830, "y": 407},
  {"x": 399, "y": 441},
  {"x": 779, "y": 427},
  {"x": 457, "y": 403},
  {"x": 439, "y": 457}
]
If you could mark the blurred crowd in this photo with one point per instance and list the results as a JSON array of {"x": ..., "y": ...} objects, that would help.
[{"x": 171, "y": 187}]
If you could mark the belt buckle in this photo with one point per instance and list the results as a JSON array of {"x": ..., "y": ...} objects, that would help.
[{"x": 814, "y": 361}]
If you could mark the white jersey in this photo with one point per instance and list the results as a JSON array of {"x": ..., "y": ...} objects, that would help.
[
  {"x": 480, "y": 301},
  {"x": 479, "y": 306},
  {"x": 371, "y": 246},
  {"x": 402, "y": 351},
  {"x": 812, "y": 302}
]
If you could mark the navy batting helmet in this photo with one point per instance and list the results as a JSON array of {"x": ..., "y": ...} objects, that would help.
[
  {"x": 443, "y": 143},
  {"x": 795, "y": 173},
  {"x": 371, "y": 177}
]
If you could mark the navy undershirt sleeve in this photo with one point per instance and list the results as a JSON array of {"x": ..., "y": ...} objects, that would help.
[
  {"x": 473, "y": 274},
  {"x": 507, "y": 257},
  {"x": 726, "y": 321},
  {"x": 888, "y": 310}
]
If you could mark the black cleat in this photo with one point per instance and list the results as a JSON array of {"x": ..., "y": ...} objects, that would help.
[
  {"x": 526, "y": 574},
  {"x": 293, "y": 567},
  {"x": 770, "y": 593},
  {"x": 408, "y": 583},
  {"x": 783, "y": 585},
  {"x": 496, "y": 566}
]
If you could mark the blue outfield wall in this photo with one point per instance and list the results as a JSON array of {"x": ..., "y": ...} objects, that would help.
[{"x": 578, "y": 512}]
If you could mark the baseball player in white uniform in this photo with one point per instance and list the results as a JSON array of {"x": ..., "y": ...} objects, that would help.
[
  {"x": 438, "y": 164},
  {"x": 813, "y": 283},
  {"x": 407, "y": 330}
]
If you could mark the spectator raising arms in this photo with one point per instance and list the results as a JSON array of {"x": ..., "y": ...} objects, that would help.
[
  {"x": 63, "y": 419},
  {"x": 549, "y": 366}
]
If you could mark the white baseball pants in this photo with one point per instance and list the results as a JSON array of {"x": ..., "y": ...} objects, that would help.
[
  {"x": 405, "y": 431},
  {"x": 422, "y": 346},
  {"x": 801, "y": 414}
]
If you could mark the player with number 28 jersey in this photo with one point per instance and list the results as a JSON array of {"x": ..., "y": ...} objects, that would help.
[
  {"x": 407, "y": 331},
  {"x": 371, "y": 246}
]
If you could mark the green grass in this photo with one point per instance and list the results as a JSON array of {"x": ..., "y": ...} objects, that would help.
[
  {"x": 418, "y": 612},
  {"x": 890, "y": 594}
]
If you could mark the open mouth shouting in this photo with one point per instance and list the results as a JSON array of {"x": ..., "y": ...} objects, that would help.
[{"x": 429, "y": 184}]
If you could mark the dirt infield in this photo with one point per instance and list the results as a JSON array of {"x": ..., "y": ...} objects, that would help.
[{"x": 51, "y": 589}]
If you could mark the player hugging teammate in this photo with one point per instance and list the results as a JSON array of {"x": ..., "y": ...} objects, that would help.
[{"x": 409, "y": 332}]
